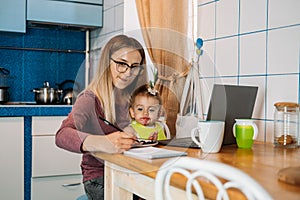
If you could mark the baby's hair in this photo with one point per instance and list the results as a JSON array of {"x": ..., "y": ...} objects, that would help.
[{"x": 147, "y": 91}]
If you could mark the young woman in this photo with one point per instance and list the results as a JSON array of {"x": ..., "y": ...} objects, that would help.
[{"x": 121, "y": 69}]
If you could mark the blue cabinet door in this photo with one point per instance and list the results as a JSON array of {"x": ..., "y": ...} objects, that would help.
[
  {"x": 81, "y": 13},
  {"x": 13, "y": 16}
]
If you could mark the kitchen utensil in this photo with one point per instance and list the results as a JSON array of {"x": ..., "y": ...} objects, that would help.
[
  {"x": 69, "y": 94},
  {"x": 4, "y": 71},
  {"x": 46, "y": 94},
  {"x": 4, "y": 75},
  {"x": 4, "y": 95}
]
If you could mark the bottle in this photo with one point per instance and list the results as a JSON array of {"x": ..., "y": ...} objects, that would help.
[{"x": 286, "y": 124}]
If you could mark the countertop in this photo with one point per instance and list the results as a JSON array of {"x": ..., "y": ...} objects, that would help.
[{"x": 31, "y": 109}]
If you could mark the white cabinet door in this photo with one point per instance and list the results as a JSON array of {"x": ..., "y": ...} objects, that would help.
[
  {"x": 60, "y": 187},
  {"x": 12, "y": 158},
  {"x": 86, "y": 13},
  {"x": 46, "y": 125},
  {"x": 49, "y": 160},
  {"x": 12, "y": 16}
]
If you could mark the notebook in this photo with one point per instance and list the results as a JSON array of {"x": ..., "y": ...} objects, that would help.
[
  {"x": 227, "y": 103},
  {"x": 153, "y": 152}
]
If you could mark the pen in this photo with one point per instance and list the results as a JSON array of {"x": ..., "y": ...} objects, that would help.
[
  {"x": 140, "y": 141},
  {"x": 110, "y": 124}
]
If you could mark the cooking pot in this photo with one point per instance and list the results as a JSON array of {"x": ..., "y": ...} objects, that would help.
[
  {"x": 4, "y": 95},
  {"x": 46, "y": 94},
  {"x": 69, "y": 94}
]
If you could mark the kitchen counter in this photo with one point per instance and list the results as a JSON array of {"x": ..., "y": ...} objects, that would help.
[
  {"x": 27, "y": 109},
  {"x": 29, "y": 112}
]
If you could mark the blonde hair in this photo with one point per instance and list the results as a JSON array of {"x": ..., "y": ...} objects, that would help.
[{"x": 102, "y": 83}]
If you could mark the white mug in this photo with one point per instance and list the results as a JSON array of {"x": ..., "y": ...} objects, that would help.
[{"x": 210, "y": 135}]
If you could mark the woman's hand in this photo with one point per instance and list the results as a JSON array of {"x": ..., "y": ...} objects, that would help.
[
  {"x": 122, "y": 141},
  {"x": 116, "y": 142}
]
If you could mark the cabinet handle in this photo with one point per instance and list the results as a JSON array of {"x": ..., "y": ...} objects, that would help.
[{"x": 70, "y": 184}]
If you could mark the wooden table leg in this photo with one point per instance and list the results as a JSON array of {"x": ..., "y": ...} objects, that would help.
[
  {"x": 121, "y": 183},
  {"x": 112, "y": 190}
]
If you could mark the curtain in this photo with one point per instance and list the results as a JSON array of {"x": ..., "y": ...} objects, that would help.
[{"x": 166, "y": 31}]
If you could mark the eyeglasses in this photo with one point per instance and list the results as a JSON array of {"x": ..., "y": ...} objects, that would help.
[{"x": 122, "y": 67}]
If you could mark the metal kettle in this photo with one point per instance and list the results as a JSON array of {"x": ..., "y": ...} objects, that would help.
[
  {"x": 4, "y": 94},
  {"x": 69, "y": 94}
]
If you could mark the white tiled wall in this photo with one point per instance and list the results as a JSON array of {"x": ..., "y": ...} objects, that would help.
[
  {"x": 253, "y": 42},
  {"x": 249, "y": 21},
  {"x": 246, "y": 42},
  {"x": 113, "y": 20}
]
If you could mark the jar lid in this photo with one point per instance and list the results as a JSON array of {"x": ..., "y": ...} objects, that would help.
[{"x": 286, "y": 104}]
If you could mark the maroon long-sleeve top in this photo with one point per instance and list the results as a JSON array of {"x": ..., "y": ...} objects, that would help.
[{"x": 82, "y": 121}]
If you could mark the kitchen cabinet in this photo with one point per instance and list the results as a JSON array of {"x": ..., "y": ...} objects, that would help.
[
  {"x": 56, "y": 172},
  {"x": 12, "y": 158},
  {"x": 13, "y": 16},
  {"x": 49, "y": 188},
  {"x": 81, "y": 13}
]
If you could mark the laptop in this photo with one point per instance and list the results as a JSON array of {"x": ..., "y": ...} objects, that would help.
[{"x": 227, "y": 103}]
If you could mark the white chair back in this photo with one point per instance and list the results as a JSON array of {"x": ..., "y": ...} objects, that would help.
[
  {"x": 167, "y": 130},
  {"x": 193, "y": 169}
]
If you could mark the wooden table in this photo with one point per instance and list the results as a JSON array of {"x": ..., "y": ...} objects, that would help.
[{"x": 126, "y": 175}]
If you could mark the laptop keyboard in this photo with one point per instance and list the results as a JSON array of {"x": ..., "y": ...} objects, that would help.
[{"x": 179, "y": 142}]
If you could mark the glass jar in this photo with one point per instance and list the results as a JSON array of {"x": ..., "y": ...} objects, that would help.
[{"x": 286, "y": 124}]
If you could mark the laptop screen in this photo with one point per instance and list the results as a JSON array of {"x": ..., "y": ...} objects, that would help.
[{"x": 229, "y": 102}]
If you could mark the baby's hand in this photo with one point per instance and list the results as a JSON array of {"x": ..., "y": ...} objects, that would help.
[{"x": 153, "y": 136}]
